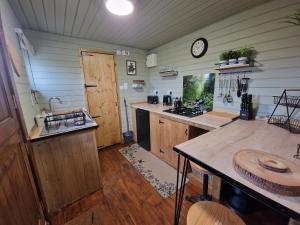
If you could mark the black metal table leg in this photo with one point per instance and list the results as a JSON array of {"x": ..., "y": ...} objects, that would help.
[{"x": 179, "y": 196}]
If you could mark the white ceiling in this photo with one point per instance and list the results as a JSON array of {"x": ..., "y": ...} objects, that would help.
[{"x": 153, "y": 23}]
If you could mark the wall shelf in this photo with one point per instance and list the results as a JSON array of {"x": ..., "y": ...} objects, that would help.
[
  {"x": 234, "y": 66},
  {"x": 235, "y": 69},
  {"x": 138, "y": 84},
  {"x": 168, "y": 72}
]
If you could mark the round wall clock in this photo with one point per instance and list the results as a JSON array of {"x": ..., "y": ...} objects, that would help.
[{"x": 199, "y": 47}]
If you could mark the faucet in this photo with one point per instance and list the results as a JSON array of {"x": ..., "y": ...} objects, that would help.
[{"x": 50, "y": 101}]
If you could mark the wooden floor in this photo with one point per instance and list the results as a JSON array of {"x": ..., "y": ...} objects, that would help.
[{"x": 128, "y": 199}]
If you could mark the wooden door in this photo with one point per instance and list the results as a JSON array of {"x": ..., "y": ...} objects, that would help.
[
  {"x": 18, "y": 205},
  {"x": 102, "y": 96},
  {"x": 155, "y": 134}
]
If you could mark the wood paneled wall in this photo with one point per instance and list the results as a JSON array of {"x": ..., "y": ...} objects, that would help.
[
  {"x": 24, "y": 82},
  {"x": 277, "y": 43},
  {"x": 57, "y": 70}
]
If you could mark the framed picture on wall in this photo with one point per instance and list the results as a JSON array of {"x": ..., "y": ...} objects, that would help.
[{"x": 131, "y": 67}]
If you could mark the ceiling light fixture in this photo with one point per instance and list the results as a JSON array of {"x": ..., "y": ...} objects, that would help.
[{"x": 119, "y": 7}]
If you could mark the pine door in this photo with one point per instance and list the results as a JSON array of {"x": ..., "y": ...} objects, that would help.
[{"x": 102, "y": 96}]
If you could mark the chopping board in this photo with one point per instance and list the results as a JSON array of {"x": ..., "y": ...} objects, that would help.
[{"x": 270, "y": 172}]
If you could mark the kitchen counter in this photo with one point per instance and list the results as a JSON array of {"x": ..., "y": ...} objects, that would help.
[
  {"x": 214, "y": 151},
  {"x": 38, "y": 133},
  {"x": 208, "y": 121}
]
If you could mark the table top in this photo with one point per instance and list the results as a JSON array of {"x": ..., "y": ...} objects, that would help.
[
  {"x": 214, "y": 151},
  {"x": 207, "y": 121}
]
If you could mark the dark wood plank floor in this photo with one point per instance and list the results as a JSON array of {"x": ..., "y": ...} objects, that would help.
[{"x": 128, "y": 199}]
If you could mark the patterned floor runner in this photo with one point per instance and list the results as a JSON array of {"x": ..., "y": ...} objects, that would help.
[{"x": 158, "y": 173}]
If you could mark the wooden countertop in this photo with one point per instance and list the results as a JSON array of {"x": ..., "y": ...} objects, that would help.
[
  {"x": 37, "y": 132},
  {"x": 207, "y": 121},
  {"x": 214, "y": 151}
]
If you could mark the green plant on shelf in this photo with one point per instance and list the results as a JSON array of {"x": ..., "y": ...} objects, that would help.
[
  {"x": 295, "y": 18},
  {"x": 234, "y": 54},
  {"x": 246, "y": 52},
  {"x": 224, "y": 55}
]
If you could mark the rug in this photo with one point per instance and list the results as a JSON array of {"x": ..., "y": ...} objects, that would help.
[{"x": 158, "y": 173}]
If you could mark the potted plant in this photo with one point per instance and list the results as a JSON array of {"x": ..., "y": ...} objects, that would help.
[
  {"x": 233, "y": 57},
  {"x": 245, "y": 55},
  {"x": 295, "y": 18},
  {"x": 224, "y": 57}
]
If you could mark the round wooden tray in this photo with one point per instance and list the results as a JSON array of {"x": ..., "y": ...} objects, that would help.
[{"x": 270, "y": 172}]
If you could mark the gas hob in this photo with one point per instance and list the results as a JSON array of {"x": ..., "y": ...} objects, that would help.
[{"x": 184, "y": 111}]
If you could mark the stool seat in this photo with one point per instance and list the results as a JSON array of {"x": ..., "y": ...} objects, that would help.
[
  {"x": 200, "y": 169},
  {"x": 212, "y": 213}
]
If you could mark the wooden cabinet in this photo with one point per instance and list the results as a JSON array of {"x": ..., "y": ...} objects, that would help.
[
  {"x": 67, "y": 168},
  {"x": 165, "y": 134},
  {"x": 155, "y": 134}
]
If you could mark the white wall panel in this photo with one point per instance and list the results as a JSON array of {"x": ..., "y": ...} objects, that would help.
[
  {"x": 57, "y": 71},
  {"x": 23, "y": 83},
  {"x": 278, "y": 59}
]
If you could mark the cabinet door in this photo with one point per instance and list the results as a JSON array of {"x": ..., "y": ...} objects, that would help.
[
  {"x": 67, "y": 168},
  {"x": 155, "y": 134},
  {"x": 174, "y": 133}
]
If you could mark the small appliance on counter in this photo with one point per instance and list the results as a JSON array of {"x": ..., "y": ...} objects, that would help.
[
  {"x": 167, "y": 100},
  {"x": 246, "y": 112},
  {"x": 152, "y": 99},
  {"x": 177, "y": 103}
]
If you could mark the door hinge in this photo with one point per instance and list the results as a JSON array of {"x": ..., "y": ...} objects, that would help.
[{"x": 15, "y": 101}]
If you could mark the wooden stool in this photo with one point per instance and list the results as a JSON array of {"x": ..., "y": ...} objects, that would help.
[
  {"x": 212, "y": 213},
  {"x": 205, "y": 196}
]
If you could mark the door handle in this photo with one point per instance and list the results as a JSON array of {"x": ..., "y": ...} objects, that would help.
[
  {"x": 186, "y": 132},
  {"x": 160, "y": 122},
  {"x": 161, "y": 151},
  {"x": 90, "y": 85},
  {"x": 95, "y": 117}
]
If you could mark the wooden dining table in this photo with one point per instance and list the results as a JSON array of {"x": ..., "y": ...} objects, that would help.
[{"x": 214, "y": 151}]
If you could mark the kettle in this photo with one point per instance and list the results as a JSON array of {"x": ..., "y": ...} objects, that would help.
[{"x": 167, "y": 100}]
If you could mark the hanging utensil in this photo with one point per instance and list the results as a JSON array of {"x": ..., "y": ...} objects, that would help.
[
  {"x": 220, "y": 87},
  {"x": 244, "y": 84},
  {"x": 229, "y": 97},
  {"x": 225, "y": 88},
  {"x": 233, "y": 84},
  {"x": 239, "y": 92}
]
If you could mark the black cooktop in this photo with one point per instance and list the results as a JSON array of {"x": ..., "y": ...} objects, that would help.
[{"x": 184, "y": 111}]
